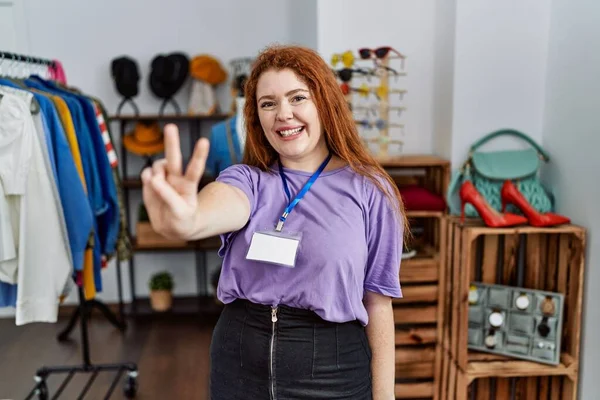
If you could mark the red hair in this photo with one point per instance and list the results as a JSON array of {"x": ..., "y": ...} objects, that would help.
[{"x": 339, "y": 128}]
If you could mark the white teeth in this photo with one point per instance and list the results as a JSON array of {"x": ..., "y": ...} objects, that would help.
[{"x": 290, "y": 132}]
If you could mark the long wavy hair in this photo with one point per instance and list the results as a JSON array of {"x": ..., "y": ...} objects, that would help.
[{"x": 338, "y": 124}]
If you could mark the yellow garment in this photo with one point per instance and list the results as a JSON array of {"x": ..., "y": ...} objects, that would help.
[
  {"x": 89, "y": 286},
  {"x": 67, "y": 122}
]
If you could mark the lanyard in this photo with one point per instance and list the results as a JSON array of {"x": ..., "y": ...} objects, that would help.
[{"x": 305, "y": 189}]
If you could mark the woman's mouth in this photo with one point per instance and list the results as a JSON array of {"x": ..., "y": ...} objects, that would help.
[{"x": 288, "y": 133}]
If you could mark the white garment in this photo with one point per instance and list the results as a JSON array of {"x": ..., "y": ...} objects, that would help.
[
  {"x": 240, "y": 123},
  {"x": 39, "y": 128},
  {"x": 43, "y": 261},
  {"x": 15, "y": 157}
]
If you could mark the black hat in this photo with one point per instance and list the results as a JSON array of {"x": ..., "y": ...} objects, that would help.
[
  {"x": 168, "y": 74},
  {"x": 125, "y": 74}
]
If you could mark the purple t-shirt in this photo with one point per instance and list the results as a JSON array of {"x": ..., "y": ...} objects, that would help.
[{"x": 351, "y": 242}]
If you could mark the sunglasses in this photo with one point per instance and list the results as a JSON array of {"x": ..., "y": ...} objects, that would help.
[
  {"x": 347, "y": 58},
  {"x": 347, "y": 89},
  {"x": 346, "y": 74},
  {"x": 380, "y": 53},
  {"x": 381, "y": 91}
]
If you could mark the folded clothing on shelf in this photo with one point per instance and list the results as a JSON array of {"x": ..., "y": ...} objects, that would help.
[{"x": 418, "y": 198}]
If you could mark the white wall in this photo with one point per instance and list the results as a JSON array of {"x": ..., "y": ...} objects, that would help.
[
  {"x": 406, "y": 25},
  {"x": 443, "y": 79},
  {"x": 499, "y": 70},
  {"x": 144, "y": 28},
  {"x": 571, "y": 126},
  {"x": 303, "y": 23}
]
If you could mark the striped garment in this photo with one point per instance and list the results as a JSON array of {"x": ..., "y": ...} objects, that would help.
[{"x": 110, "y": 151}]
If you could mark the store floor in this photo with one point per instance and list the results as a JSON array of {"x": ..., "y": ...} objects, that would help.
[{"x": 172, "y": 357}]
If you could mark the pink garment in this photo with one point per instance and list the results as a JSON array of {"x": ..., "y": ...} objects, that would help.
[{"x": 57, "y": 73}]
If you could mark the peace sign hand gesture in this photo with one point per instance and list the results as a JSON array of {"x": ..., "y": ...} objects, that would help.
[{"x": 171, "y": 196}]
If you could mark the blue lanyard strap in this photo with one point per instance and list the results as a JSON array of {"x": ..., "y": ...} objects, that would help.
[{"x": 303, "y": 191}]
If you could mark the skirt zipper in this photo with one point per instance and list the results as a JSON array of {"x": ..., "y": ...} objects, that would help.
[{"x": 272, "y": 353}]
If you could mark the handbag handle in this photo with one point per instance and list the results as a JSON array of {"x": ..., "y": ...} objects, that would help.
[{"x": 480, "y": 142}]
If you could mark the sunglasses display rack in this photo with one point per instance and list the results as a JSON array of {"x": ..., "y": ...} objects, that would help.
[
  {"x": 361, "y": 83},
  {"x": 515, "y": 322}
]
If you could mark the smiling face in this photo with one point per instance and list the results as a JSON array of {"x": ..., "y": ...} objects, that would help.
[{"x": 290, "y": 120}]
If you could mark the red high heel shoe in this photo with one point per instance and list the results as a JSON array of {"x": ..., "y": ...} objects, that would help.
[
  {"x": 510, "y": 194},
  {"x": 491, "y": 217}
]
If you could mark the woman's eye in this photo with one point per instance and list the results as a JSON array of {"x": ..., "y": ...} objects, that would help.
[
  {"x": 267, "y": 104},
  {"x": 298, "y": 98}
]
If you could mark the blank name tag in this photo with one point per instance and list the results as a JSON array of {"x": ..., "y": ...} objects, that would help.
[{"x": 274, "y": 248}]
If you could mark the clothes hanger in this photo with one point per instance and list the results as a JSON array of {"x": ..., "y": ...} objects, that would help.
[{"x": 34, "y": 106}]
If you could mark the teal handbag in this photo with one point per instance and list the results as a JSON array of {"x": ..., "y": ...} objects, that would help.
[{"x": 488, "y": 171}]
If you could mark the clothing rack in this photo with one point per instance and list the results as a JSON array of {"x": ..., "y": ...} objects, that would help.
[
  {"x": 8, "y": 56},
  {"x": 82, "y": 313}
]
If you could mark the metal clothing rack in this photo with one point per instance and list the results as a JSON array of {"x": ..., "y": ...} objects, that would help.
[
  {"x": 82, "y": 313},
  {"x": 23, "y": 58}
]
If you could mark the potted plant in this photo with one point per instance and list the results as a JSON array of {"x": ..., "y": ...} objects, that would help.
[{"x": 161, "y": 291}]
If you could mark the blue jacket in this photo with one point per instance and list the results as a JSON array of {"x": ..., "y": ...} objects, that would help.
[
  {"x": 219, "y": 156},
  {"x": 108, "y": 217},
  {"x": 102, "y": 190}
]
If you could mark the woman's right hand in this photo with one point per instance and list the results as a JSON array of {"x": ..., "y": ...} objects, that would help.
[{"x": 170, "y": 196}]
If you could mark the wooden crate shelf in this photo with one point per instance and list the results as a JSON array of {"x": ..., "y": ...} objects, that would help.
[
  {"x": 553, "y": 261},
  {"x": 427, "y": 293},
  {"x": 548, "y": 384},
  {"x": 417, "y": 390},
  {"x": 424, "y": 214},
  {"x": 416, "y": 369},
  {"x": 424, "y": 267},
  {"x": 514, "y": 368},
  {"x": 418, "y": 314},
  {"x": 418, "y": 335}
]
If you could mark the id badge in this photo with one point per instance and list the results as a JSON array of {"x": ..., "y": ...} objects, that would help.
[{"x": 274, "y": 247}]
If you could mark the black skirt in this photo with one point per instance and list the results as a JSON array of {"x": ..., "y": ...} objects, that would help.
[{"x": 288, "y": 353}]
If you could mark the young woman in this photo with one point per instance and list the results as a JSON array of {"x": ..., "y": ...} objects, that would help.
[{"x": 312, "y": 233}]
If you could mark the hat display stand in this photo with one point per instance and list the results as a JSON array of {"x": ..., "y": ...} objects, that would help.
[
  {"x": 125, "y": 74},
  {"x": 168, "y": 74},
  {"x": 144, "y": 133},
  {"x": 129, "y": 100},
  {"x": 207, "y": 73},
  {"x": 165, "y": 102}
]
